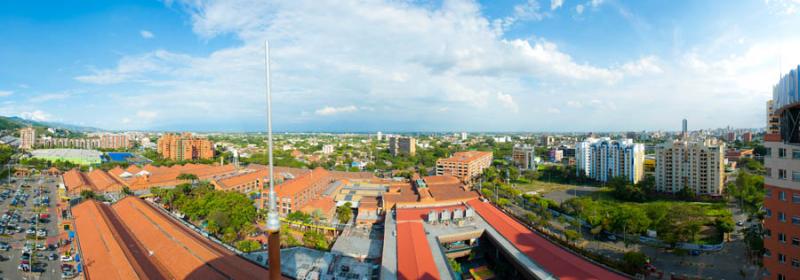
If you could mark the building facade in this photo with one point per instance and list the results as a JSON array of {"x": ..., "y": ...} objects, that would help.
[
  {"x": 114, "y": 141},
  {"x": 327, "y": 149},
  {"x": 27, "y": 138},
  {"x": 184, "y": 147},
  {"x": 782, "y": 181},
  {"x": 697, "y": 165},
  {"x": 467, "y": 166},
  {"x": 603, "y": 159},
  {"x": 524, "y": 156},
  {"x": 399, "y": 145}
]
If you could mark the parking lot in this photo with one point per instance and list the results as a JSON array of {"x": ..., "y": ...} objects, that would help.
[{"x": 29, "y": 229}]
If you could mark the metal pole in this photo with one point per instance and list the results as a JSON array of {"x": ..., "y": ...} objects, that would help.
[{"x": 273, "y": 224}]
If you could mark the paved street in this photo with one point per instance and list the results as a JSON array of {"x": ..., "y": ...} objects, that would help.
[{"x": 9, "y": 267}]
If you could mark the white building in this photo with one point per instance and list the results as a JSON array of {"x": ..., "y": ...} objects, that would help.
[
  {"x": 379, "y": 136},
  {"x": 603, "y": 159},
  {"x": 327, "y": 149},
  {"x": 698, "y": 165},
  {"x": 463, "y": 136},
  {"x": 524, "y": 156}
]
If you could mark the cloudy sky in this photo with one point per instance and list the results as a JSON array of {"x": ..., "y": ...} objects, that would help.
[{"x": 522, "y": 65}]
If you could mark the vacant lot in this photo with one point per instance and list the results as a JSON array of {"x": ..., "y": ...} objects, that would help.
[{"x": 555, "y": 191}]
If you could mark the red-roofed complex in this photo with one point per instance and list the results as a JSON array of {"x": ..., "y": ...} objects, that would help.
[
  {"x": 134, "y": 240},
  {"x": 294, "y": 194},
  {"x": 466, "y": 166},
  {"x": 138, "y": 179}
]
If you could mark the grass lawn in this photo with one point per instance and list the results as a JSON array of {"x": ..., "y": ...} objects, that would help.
[{"x": 542, "y": 187}]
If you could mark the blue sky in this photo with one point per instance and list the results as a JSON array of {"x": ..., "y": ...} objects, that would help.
[{"x": 591, "y": 65}]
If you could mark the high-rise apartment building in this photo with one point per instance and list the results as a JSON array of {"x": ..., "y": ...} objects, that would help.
[
  {"x": 772, "y": 119},
  {"x": 697, "y": 165},
  {"x": 399, "y": 145},
  {"x": 603, "y": 159},
  {"x": 747, "y": 137},
  {"x": 782, "y": 181},
  {"x": 184, "y": 147},
  {"x": 463, "y": 136},
  {"x": 685, "y": 129},
  {"x": 114, "y": 141},
  {"x": 379, "y": 136},
  {"x": 524, "y": 156},
  {"x": 27, "y": 138},
  {"x": 466, "y": 166},
  {"x": 731, "y": 137},
  {"x": 327, "y": 149}
]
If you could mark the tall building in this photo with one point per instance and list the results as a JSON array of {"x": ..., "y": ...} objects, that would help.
[
  {"x": 685, "y": 130},
  {"x": 463, "y": 136},
  {"x": 114, "y": 141},
  {"x": 548, "y": 140},
  {"x": 466, "y": 166},
  {"x": 27, "y": 138},
  {"x": 327, "y": 149},
  {"x": 697, "y": 165},
  {"x": 399, "y": 145},
  {"x": 772, "y": 119},
  {"x": 524, "y": 156},
  {"x": 747, "y": 137},
  {"x": 782, "y": 181},
  {"x": 184, "y": 147},
  {"x": 731, "y": 137},
  {"x": 379, "y": 136},
  {"x": 603, "y": 159}
]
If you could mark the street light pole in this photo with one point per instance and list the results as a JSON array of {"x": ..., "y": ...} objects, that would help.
[{"x": 273, "y": 223}]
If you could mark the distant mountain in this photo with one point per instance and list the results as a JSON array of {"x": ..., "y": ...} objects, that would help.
[{"x": 17, "y": 122}]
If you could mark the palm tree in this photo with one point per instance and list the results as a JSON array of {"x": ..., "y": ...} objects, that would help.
[{"x": 188, "y": 176}]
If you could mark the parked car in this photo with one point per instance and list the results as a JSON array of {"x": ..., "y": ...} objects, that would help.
[{"x": 66, "y": 258}]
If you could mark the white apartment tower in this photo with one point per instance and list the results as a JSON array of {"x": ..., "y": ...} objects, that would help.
[
  {"x": 603, "y": 159},
  {"x": 698, "y": 165}
]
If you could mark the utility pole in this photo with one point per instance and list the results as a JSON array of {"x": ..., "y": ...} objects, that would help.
[{"x": 273, "y": 223}]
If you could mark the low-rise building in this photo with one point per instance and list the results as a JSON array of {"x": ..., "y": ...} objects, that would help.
[{"x": 466, "y": 166}]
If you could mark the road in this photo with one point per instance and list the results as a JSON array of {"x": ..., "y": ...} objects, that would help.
[{"x": 12, "y": 257}]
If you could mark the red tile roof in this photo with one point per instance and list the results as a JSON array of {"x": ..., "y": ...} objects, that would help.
[
  {"x": 558, "y": 261},
  {"x": 414, "y": 256}
]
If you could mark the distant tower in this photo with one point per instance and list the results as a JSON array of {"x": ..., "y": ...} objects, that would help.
[
  {"x": 380, "y": 136},
  {"x": 685, "y": 131},
  {"x": 463, "y": 136}
]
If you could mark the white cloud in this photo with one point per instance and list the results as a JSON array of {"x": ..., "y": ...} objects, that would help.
[
  {"x": 36, "y": 115},
  {"x": 579, "y": 9},
  {"x": 4, "y": 93},
  {"x": 529, "y": 10},
  {"x": 328, "y": 110},
  {"x": 646, "y": 65},
  {"x": 555, "y": 4},
  {"x": 595, "y": 3},
  {"x": 146, "y": 34},
  {"x": 146, "y": 115},
  {"x": 507, "y": 101},
  {"x": 49, "y": 97}
]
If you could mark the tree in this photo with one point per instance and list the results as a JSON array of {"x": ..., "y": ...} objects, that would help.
[
  {"x": 313, "y": 239},
  {"x": 188, "y": 177},
  {"x": 248, "y": 246},
  {"x": 634, "y": 262},
  {"x": 571, "y": 235},
  {"x": 87, "y": 194},
  {"x": 126, "y": 190},
  {"x": 344, "y": 213}
]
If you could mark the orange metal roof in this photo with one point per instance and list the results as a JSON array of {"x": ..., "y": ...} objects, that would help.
[
  {"x": 151, "y": 243},
  {"x": 558, "y": 261},
  {"x": 414, "y": 256}
]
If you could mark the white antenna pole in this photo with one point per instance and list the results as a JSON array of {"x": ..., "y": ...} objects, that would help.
[{"x": 273, "y": 224}]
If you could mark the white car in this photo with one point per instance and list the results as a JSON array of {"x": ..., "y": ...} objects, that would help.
[{"x": 66, "y": 258}]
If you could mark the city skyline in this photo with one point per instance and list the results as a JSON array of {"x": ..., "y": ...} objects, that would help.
[{"x": 396, "y": 66}]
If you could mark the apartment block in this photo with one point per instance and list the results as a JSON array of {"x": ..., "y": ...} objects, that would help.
[
  {"x": 114, "y": 141},
  {"x": 782, "y": 181},
  {"x": 697, "y": 165},
  {"x": 399, "y": 145},
  {"x": 185, "y": 147},
  {"x": 603, "y": 159},
  {"x": 466, "y": 166},
  {"x": 327, "y": 149},
  {"x": 27, "y": 138},
  {"x": 524, "y": 156}
]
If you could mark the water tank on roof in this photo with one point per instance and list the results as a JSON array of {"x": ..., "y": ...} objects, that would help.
[
  {"x": 458, "y": 214},
  {"x": 445, "y": 215},
  {"x": 432, "y": 216}
]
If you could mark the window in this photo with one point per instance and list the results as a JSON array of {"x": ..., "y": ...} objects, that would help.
[
  {"x": 782, "y": 174},
  {"x": 795, "y": 176},
  {"x": 781, "y": 277},
  {"x": 767, "y": 232},
  {"x": 782, "y": 196},
  {"x": 795, "y": 263},
  {"x": 795, "y": 241},
  {"x": 768, "y": 212},
  {"x": 782, "y": 237},
  {"x": 781, "y": 217},
  {"x": 781, "y": 152},
  {"x": 796, "y": 220},
  {"x": 767, "y": 253},
  {"x": 796, "y": 198},
  {"x": 768, "y": 193},
  {"x": 768, "y": 152},
  {"x": 781, "y": 258},
  {"x": 795, "y": 154}
]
